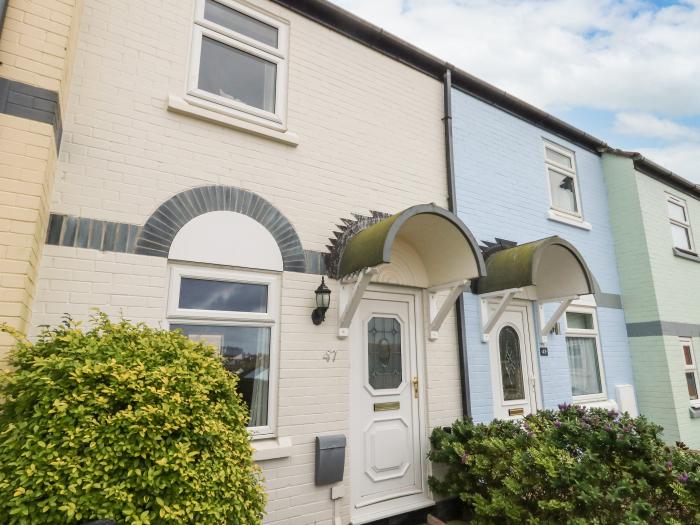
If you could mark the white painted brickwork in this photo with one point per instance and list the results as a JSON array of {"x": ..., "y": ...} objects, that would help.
[{"x": 371, "y": 138}]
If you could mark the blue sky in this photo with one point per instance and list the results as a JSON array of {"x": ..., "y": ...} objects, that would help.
[{"x": 626, "y": 71}]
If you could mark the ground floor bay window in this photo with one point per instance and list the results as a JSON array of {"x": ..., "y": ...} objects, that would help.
[
  {"x": 236, "y": 312},
  {"x": 584, "y": 354}
]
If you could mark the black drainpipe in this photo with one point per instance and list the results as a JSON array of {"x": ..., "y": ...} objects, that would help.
[
  {"x": 3, "y": 12},
  {"x": 452, "y": 204}
]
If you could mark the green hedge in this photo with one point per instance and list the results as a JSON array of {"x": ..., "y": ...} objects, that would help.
[
  {"x": 571, "y": 466},
  {"x": 125, "y": 422}
]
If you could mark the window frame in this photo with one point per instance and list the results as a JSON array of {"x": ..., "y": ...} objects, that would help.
[
  {"x": 593, "y": 334},
  {"x": 202, "y": 27},
  {"x": 269, "y": 319},
  {"x": 693, "y": 368},
  {"x": 672, "y": 199},
  {"x": 562, "y": 170}
]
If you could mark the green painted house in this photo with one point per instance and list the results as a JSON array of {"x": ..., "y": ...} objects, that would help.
[{"x": 656, "y": 223}]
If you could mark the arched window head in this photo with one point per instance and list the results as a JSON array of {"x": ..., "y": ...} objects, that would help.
[{"x": 227, "y": 238}]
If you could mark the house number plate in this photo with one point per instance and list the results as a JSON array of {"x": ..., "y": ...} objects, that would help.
[
  {"x": 516, "y": 411},
  {"x": 383, "y": 407}
]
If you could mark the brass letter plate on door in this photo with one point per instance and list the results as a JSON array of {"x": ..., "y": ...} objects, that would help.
[
  {"x": 383, "y": 407},
  {"x": 516, "y": 411}
]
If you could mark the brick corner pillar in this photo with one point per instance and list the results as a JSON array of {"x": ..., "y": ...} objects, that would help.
[{"x": 36, "y": 50}]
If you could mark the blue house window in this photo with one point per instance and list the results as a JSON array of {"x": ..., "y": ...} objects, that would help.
[{"x": 564, "y": 192}]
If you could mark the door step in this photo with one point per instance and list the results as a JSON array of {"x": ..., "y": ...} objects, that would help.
[
  {"x": 432, "y": 520},
  {"x": 448, "y": 511}
]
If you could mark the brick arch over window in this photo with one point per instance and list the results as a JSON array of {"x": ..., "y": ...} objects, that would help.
[{"x": 160, "y": 229}]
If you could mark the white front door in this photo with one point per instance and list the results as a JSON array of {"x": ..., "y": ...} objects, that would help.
[
  {"x": 514, "y": 369},
  {"x": 387, "y": 442}
]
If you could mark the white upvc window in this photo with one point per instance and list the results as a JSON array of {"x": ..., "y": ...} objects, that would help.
[
  {"x": 585, "y": 357},
  {"x": 239, "y": 61},
  {"x": 681, "y": 232},
  {"x": 237, "y": 312},
  {"x": 560, "y": 164},
  {"x": 690, "y": 369}
]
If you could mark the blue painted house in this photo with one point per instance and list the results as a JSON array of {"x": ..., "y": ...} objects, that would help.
[{"x": 546, "y": 324}]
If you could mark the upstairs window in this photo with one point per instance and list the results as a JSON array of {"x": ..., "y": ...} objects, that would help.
[
  {"x": 690, "y": 368},
  {"x": 560, "y": 164},
  {"x": 239, "y": 60},
  {"x": 585, "y": 359},
  {"x": 680, "y": 224}
]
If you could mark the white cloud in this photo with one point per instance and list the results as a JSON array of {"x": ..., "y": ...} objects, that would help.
[
  {"x": 683, "y": 158},
  {"x": 627, "y": 57},
  {"x": 646, "y": 125},
  {"x": 617, "y": 55}
]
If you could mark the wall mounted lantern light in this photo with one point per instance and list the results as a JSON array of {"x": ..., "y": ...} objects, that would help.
[{"x": 323, "y": 301}]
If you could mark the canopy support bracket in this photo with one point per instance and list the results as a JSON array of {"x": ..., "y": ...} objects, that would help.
[
  {"x": 349, "y": 306},
  {"x": 438, "y": 314},
  {"x": 549, "y": 325},
  {"x": 506, "y": 299}
]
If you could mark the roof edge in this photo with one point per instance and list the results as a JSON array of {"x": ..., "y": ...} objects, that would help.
[
  {"x": 652, "y": 169},
  {"x": 352, "y": 26},
  {"x": 366, "y": 33}
]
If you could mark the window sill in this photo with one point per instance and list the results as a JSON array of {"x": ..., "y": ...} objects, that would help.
[
  {"x": 694, "y": 410},
  {"x": 265, "y": 449},
  {"x": 571, "y": 221},
  {"x": 684, "y": 254},
  {"x": 606, "y": 404},
  {"x": 181, "y": 105}
]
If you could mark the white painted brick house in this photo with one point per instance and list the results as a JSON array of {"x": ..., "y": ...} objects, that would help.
[
  {"x": 217, "y": 160},
  {"x": 138, "y": 133}
]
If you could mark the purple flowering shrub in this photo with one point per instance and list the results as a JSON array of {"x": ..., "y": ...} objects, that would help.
[{"x": 572, "y": 466}]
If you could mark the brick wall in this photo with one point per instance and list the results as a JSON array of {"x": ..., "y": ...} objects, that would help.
[
  {"x": 37, "y": 41},
  {"x": 502, "y": 191},
  {"x": 658, "y": 287},
  {"x": 370, "y": 138},
  {"x": 27, "y": 160},
  {"x": 36, "y": 46}
]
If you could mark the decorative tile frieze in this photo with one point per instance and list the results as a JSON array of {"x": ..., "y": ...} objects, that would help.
[
  {"x": 155, "y": 237},
  {"x": 31, "y": 102}
]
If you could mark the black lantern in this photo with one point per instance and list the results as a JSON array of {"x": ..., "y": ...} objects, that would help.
[{"x": 323, "y": 301}]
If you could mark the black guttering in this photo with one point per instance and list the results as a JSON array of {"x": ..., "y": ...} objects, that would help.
[
  {"x": 355, "y": 28},
  {"x": 344, "y": 22},
  {"x": 3, "y": 12},
  {"x": 652, "y": 169},
  {"x": 452, "y": 204}
]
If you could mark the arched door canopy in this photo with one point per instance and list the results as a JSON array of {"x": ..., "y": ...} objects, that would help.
[
  {"x": 445, "y": 245},
  {"x": 550, "y": 269},
  {"x": 553, "y": 266},
  {"x": 446, "y": 248}
]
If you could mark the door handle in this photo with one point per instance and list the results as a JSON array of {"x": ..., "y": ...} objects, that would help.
[{"x": 415, "y": 386}]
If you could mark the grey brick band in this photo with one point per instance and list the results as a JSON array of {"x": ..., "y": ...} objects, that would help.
[
  {"x": 660, "y": 328},
  {"x": 80, "y": 232},
  {"x": 155, "y": 237},
  {"x": 22, "y": 100}
]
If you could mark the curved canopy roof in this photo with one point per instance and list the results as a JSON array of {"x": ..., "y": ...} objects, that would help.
[
  {"x": 445, "y": 245},
  {"x": 553, "y": 266}
]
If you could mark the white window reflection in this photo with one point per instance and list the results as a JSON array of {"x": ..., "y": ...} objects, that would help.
[{"x": 204, "y": 294}]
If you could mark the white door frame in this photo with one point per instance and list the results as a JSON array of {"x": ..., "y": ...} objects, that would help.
[
  {"x": 370, "y": 511},
  {"x": 533, "y": 383}
]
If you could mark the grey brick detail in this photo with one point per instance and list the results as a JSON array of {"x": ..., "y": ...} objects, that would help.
[
  {"x": 155, "y": 237},
  {"x": 659, "y": 328},
  {"x": 81, "y": 232},
  {"x": 160, "y": 229},
  {"x": 31, "y": 102},
  {"x": 315, "y": 262}
]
